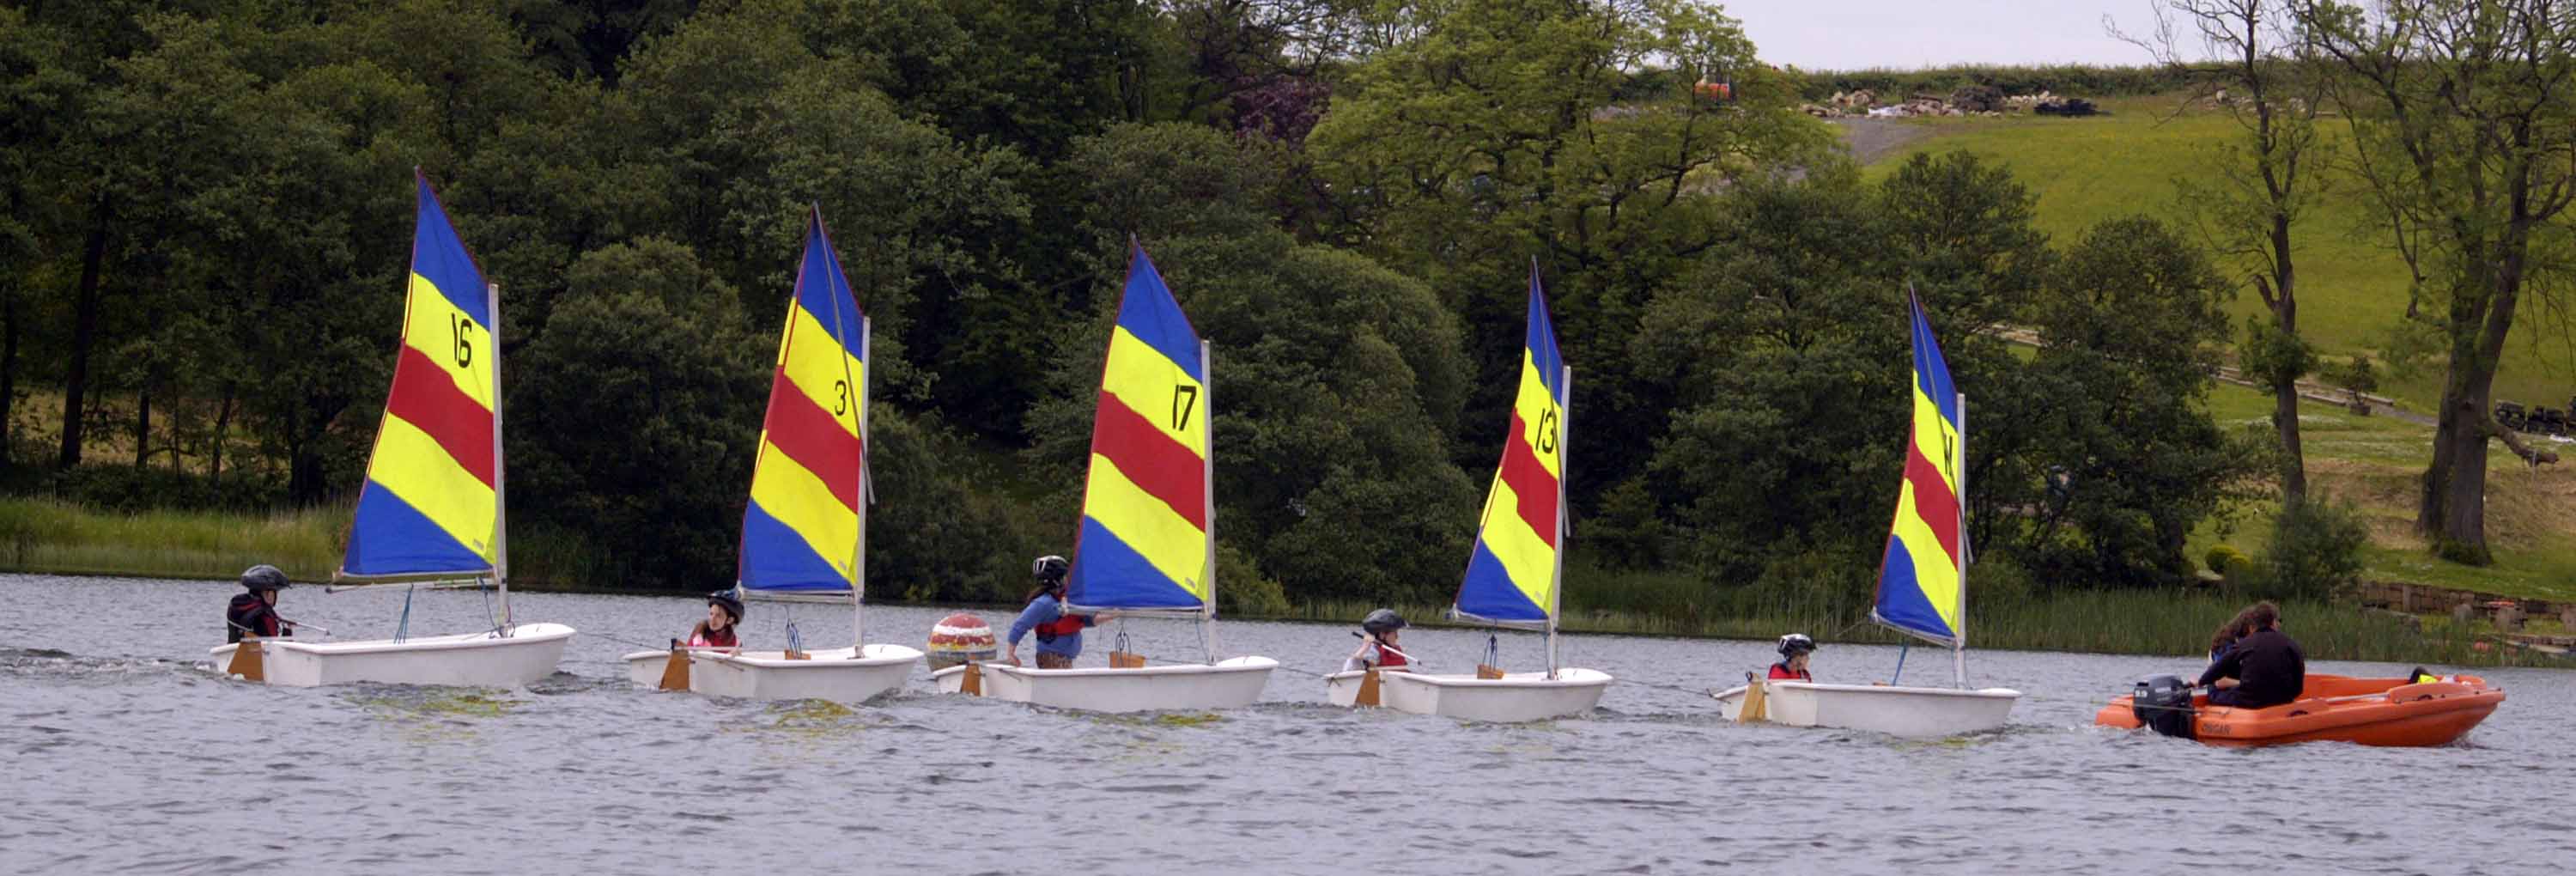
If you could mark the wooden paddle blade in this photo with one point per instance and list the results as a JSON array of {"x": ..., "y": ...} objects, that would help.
[
  {"x": 1368, "y": 690},
  {"x": 1126, "y": 660},
  {"x": 247, "y": 661},
  {"x": 973, "y": 686},
  {"x": 798, "y": 655},
  {"x": 1488, "y": 673},
  {"x": 675, "y": 671},
  {"x": 1757, "y": 704}
]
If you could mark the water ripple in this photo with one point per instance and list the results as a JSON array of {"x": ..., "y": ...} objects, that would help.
[{"x": 126, "y": 755}]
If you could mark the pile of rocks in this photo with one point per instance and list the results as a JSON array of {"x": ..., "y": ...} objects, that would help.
[{"x": 1972, "y": 100}]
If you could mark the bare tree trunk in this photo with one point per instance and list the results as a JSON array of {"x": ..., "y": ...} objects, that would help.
[
  {"x": 84, "y": 333},
  {"x": 8, "y": 368},
  {"x": 223, "y": 426},
  {"x": 142, "y": 426}
]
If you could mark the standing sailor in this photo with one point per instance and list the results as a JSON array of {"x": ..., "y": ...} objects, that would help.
[
  {"x": 255, "y": 612},
  {"x": 1059, "y": 634}
]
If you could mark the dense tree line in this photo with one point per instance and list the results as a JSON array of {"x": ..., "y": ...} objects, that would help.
[{"x": 208, "y": 225}]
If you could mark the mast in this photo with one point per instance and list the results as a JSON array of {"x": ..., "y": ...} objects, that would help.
[
  {"x": 1959, "y": 477},
  {"x": 859, "y": 549},
  {"x": 1556, "y": 588},
  {"x": 500, "y": 491},
  {"x": 1207, "y": 483}
]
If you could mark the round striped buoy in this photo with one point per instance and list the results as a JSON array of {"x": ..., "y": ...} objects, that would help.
[{"x": 958, "y": 638}]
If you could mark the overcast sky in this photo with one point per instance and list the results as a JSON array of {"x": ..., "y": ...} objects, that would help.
[{"x": 1852, "y": 34}]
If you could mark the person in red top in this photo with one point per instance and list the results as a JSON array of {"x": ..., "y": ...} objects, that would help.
[
  {"x": 1794, "y": 649},
  {"x": 1378, "y": 649},
  {"x": 724, "y": 613}
]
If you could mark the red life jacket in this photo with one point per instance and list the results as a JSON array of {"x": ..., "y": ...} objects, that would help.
[
  {"x": 723, "y": 638},
  {"x": 1781, "y": 671},
  {"x": 1063, "y": 625},
  {"x": 1387, "y": 658}
]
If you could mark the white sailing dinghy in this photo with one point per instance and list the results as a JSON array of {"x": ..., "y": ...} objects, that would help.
[
  {"x": 432, "y": 507},
  {"x": 805, "y": 531},
  {"x": 1516, "y": 573},
  {"x": 1922, "y": 587},
  {"x": 1148, "y": 541}
]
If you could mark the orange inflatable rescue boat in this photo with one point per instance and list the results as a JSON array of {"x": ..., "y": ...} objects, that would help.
[{"x": 2423, "y": 710}]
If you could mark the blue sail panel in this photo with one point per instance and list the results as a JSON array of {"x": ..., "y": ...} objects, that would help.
[
  {"x": 390, "y": 537},
  {"x": 775, "y": 557},
  {"x": 1489, "y": 592},
  {"x": 1112, "y": 575}
]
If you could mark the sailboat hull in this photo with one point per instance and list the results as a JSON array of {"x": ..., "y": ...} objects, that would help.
[
  {"x": 1231, "y": 683},
  {"x": 841, "y": 675},
  {"x": 1896, "y": 711},
  {"x": 486, "y": 659},
  {"x": 1514, "y": 698}
]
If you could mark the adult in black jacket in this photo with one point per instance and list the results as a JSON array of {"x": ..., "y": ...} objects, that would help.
[
  {"x": 2265, "y": 669},
  {"x": 255, "y": 613}
]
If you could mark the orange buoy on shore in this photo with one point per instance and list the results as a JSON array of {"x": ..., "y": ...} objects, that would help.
[{"x": 2387, "y": 712}]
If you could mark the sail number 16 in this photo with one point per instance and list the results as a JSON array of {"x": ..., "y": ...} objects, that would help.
[{"x": 460, "y": 330}]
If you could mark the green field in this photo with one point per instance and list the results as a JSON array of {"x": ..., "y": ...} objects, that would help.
[
  {"x": 2352, "y": 286},
  {"x": 2375, "y": 461}
]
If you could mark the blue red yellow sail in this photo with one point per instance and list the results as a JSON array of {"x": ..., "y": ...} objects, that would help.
[
  {"x": 1512, "y": 574},
  {"x": 430, "y": 505},
  {"x": 1145, "y": 540},
  {"x": 1919, "y": 583},
  {"x": 801, "y": 530}
]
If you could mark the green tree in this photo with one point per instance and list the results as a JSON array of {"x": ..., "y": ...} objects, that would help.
[
  {"x": 2248, "y": 200},
  {"x": 2465, "y": 127},
  {"x": 2130, "y": 329},
  {"x": 1479, "y": 134},
  {"x": 1786, "y": 353},
  {"x": 634, "y": 417}
]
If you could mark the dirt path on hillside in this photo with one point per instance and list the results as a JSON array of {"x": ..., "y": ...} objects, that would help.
[{"x": 1873, "y": 139}]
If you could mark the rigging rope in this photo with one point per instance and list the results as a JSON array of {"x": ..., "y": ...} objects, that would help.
[{"x": 402, "y": 629}]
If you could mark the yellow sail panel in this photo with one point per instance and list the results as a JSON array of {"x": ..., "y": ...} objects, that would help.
[{"x": 411, "y": 465}]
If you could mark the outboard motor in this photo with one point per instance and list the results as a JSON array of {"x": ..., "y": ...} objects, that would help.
[{"x": 2163, "y": 703}]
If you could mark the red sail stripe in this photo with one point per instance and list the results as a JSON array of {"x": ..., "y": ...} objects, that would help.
[
  {"x": 1933, "y": 501},
  {"x": 810, "y": 435},
  {"x": 1532, "y": 487},
  {"x": 427, "y": 398},
  {"x": 1163, "y": 468}
]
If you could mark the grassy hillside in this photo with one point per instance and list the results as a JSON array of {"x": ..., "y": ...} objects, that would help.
[
  {"x": 2376, "y": 463},
  {"x": 2351, "y": 286}
]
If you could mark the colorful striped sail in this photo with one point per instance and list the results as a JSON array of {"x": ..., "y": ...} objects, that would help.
[
  {"x": 430, "y": 506},
  {"x": 801, "y": 530},
  {"x": 1920, "y": 588},
  {"x": 1145, "y": 541},
  {"x": 1512, "y": 575}
]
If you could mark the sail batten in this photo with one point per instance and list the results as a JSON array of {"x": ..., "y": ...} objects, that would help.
[
  {"x": 1513, "y": 571},
  {"x": 1920, "y": 584},
  {"x": 800, "y": 530},
  {"x": 430, "y": 505},
  {"x": 1145, "y": 540}
]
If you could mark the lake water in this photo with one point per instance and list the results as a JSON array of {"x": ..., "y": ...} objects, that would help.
[{"x": 123, "y": 754}]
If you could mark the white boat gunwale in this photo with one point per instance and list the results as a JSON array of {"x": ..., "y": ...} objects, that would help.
[
  {"x": 523, "y": 633},
  {"x": 1246, "y": 663},
  {"x": 1988, "y": 692}
]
